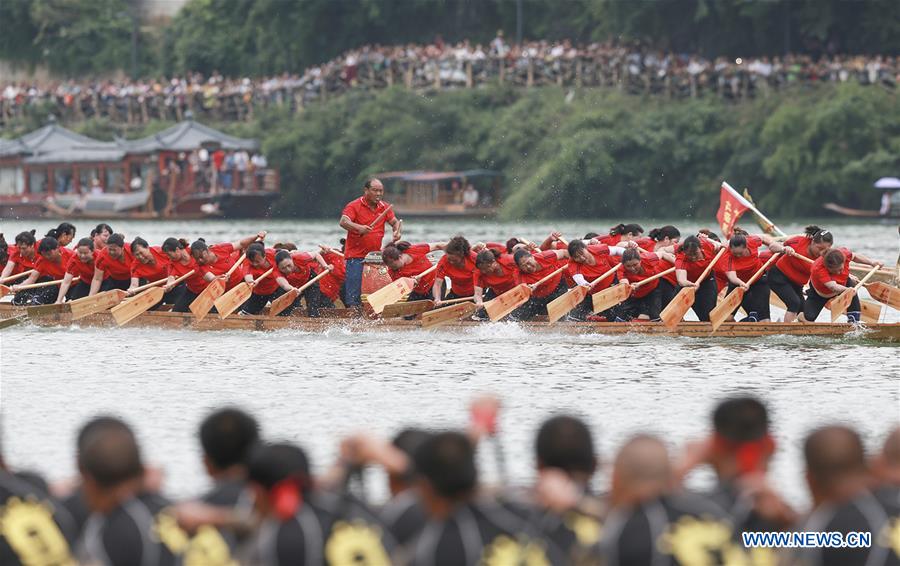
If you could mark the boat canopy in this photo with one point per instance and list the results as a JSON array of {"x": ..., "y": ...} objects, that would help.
[{"x": 187, "y": 136}]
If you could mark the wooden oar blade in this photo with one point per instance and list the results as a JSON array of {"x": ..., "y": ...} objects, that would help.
[
  {"x": 207, "y": 298},
  {"x": 445, "y": 315},
  {"x": 678, "y": 307},
  {"x": 887, "y": 294},
  {"x": 410, "y": 308},
  {"x": 611, "y": 297},
  {"x": 87, "y": 306},
  {"x": 775, "y": 300},
  {"x": 840, "y": 303},
  {"x": 283, "y": 302},
  {"x": 233, "y": 299},
  {"x": 723, "y": 310},
  {"x": 12, "y": 321},
  {"x": 871, "y": 311},
  {"x": 142, "y": 302},
  {"x": 562, "y": 305},
  {"x": 47, "y": 310},
  {"x": 4, "y": 290},
  {"x": 507, "y": 302},
  {"x": 390, "y": 293}
]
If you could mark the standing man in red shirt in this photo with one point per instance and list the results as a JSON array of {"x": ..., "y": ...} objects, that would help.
[{"x": 363, "y": 220}]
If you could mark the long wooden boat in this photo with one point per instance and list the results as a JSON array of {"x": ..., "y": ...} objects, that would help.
[{"x": 340, "y": 319}]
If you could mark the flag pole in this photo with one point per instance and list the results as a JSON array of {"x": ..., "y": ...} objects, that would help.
[{"x": 753, "y": 209}]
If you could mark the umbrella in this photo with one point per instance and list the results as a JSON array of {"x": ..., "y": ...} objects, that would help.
[{"x": 887, "y": 183}]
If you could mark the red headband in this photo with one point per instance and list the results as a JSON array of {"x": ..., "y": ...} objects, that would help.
[
  {"x": 749, "y": 454},
  {"x": 286, "y": 497}
]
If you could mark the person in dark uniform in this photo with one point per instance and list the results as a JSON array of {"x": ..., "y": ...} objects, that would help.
[
  {"x": 226, "y": 437},
  {"x": 304, "y": 526},
  {"x": 839, "y": 482},
  {"x": 652, "y": 523}
]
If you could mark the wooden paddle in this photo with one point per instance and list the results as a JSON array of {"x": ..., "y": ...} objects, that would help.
[
  {"x": 412, "y": 308},
  {"x": 395, "y": 290},
  {"x": 516, "y": 297},
  {"x": 287, "y": 299},
  {"x": 17, "y": 276},
  {"x": 840, "y": 303},
  {"x": 608, "y": 298},
  {"x": 381, "y": 216},
  {"x": 684, "y": 300},
  {"x": 86, "y": 306},
  {"x": 207, "y": 298},
  {"x": 887, "y": 294},
  {"x": 870, "y": 311},
  {"x": 12, "y": 321},
  {"x": 142, "y": 302},
  {"x": 562, "y": 305},
  {"x": 4, "y": 290},
  {"x": 732, "y": 301},
  {"x": 776, "y": 300},
  {"x": 444, "y": 315},
  {"x": 230, "y": 301}
]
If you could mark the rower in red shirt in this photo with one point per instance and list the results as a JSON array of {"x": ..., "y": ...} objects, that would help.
[
  {"x": 645, "y": 302},
  {"x": 457, "y": 265},
  {"x": 150, "y": 263},
  {"x": 829, "y": 277},
  {"x": 295, "y": 269},
  {"x": 260, "y": 259},
  {"x": 332, "y": 285},
  {"x": 791, "y": 273},
  {"x": 51, "y": 265},
  {"x": 532, "y": 267},
  {"x": 588, "y": 262},
  {"x": 80, "y": 265},
  {"x": 180, "y": 263},
  {"x": 664, "y": 239},
  {"x": 621, "y": 233},
  {"x": 409, "y": 260},
  {"x": 495, "y": 273},
  {"x": 743, "y": 259},
  {"x": 112, "y": 265},
  {"x": 364, "y": 223},
  {"x": 691, "y": 259},
  {"x": 100, "y": 235},
  {"x": 22, "y": 255},
  {"x": 217, "y": 259}
]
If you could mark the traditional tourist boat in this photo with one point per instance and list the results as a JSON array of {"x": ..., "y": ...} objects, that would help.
[
  {"x": 475, "y": 193},
  {"x": 890, "y": 202}
]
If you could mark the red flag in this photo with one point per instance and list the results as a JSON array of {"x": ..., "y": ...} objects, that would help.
[{"x": 731, "y": 206}]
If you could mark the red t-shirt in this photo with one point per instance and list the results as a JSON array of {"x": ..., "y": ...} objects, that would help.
[
  {"x": 461, "y": 279},
  {"x": 195, "y": 283},
  {"x": 304, "y": 263},
  {"x": 794, "y": 268},
  {"x": 549, "y": 263},
  {"x": 22, "y": 263},
  {"x": 646, "y": 243},
  {"x": 496, "y": 246},
  {"x": 695, "y": 268},
  {"x": 268, "y": 285},
  {"x": 419, "y": 263},
  {"x": 591, "y": 272},
  {"x": 361, "y": 212},
  {"x": 819, "y": 274},
  {"x": 152, "y": 271},
  {"x": 80, "y": 269},
  {"x": 52, "y": 269},
  {"x": 610, "y": 240},
  {"x": 227, "y": 255},
  {"x": 330, "y": 285},
  {"x": 651, "y": 264},
  {"x": 119, "y": 269},
  {"x": 499, "y": 283},
  {"x": 745, "y": 267}
]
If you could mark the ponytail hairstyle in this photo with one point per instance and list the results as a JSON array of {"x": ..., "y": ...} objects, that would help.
[
  {"x": 391, "y": 252},
  {"x": 198, "y": 247},
  {"x": 116, "y": 240},
  {"x": 343, "y": 242},
  {"x": 25, "y": 239},
  {"x": 458, "y": 246},
  {"x": 486, "y": 257},
  {"x": 620, "y": 229},
  {"x": 511, "y": 243},
  {"x": 52, "y": 233},
  {"x": 89, "y": 243},
  {"x": 591, "y": 235},
  {"x": 575, "y": 246},
  {"x": 289, "y": 246},
  {"x": 834, "y": 259},
  {"x": 818, "y": 235},
  {"x": 689, "y": 246},
  {"x": 4, "y": 250},
  {"x": 175, "y": 244},
  {"x": 135, "y": 243},
  {"x": 282, "y": 255},
  {"x": 61, "y": 230},
  {"x": 520, "y": 255},
  {"x": 737, "y": 241},
  {"x": 100, "y": 228},
  {"x": 709, "y": 234},
  {"x": 255, "y": 249},
  {"x": 631, "y": 254},
  {"x": 739, "y": 232},
  {"x": 47, "y": 244},
  {"x": 667, "y": 231}
]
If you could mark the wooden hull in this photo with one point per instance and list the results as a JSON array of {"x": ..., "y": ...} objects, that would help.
[{"x": 880, "y": 332}]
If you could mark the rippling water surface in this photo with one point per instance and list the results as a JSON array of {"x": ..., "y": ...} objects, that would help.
[{"x": 314, "y": 387}]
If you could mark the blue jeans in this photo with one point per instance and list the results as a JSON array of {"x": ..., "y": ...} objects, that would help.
[{"x": 353, "y": 282}]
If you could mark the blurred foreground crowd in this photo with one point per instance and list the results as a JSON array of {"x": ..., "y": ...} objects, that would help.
[
  {"x": 438, "y": 65},
  {"x": 267, "y": 507}
]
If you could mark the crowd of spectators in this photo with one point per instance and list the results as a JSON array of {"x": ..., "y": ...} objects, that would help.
[{"x": 439, "y": 65}]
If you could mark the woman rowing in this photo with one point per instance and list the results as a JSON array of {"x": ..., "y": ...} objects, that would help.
[
  {"x": 621, "y": 233},
  {"x": 691, "y": 258},
  {"x": 64, "y": 233},
  {"x": 532, "y": 267},
  {"x": 495, "y": 274},
  {"x": 80, "y": 265},
  {"x": 150, "y": 263},
  {"x": 743, "y": 260},
  {"x": 260, "y": 260},
  {"x": 458, "y": 265},
  {"x": 100, "y": 234},
  {"x": 332, "y": 285},
  {"x": 829, "y": 277},
  {"x": 180, "y": 263},
  {"x": 22, "y": 255},
  {"x": 588, "y": 262},
  {"x": 663, "y": 239},
  {"x": 409, "y": 260},
  {"x": 645, "y": 302},
  {"x": 219, "y": 258},
  {"x": 50, "y": 266},
  {"x": 112, "y": 265},
  {"x": 791, "y": 272},
  {"x": 295, "y": 269}
]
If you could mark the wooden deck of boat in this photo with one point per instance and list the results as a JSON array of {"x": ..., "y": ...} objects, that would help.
[{"x": 882, "y": 332}]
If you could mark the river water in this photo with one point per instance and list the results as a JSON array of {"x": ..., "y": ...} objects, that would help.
[{"x": 312, "y": 388}]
